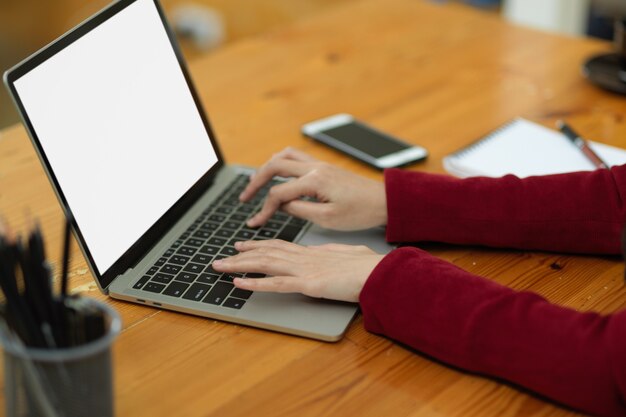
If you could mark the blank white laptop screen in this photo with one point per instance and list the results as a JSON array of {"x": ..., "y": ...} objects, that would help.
[{"x": 119, "y": 127}]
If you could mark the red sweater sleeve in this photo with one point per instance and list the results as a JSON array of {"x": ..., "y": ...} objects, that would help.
[
  {"x": 580, "y": 212},
  {"x": 578, "y": 359}
]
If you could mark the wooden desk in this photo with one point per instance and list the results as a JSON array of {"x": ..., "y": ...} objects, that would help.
[{"x": 440, "y": 76}]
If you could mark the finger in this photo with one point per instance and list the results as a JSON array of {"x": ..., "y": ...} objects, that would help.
[
  {"x": 335, "y": 247},
  {"x": 280, "y": 167},
  {"x": 349, "y": 249},
  {"x": 309, "y": 210},
  {"x": 279, "y": 195},
  {"x": 245, "y": 246},
  {"x": 275, "y": 263},
  {"x": 294, "y": 154},
  {"x": 282, "y": 284}
]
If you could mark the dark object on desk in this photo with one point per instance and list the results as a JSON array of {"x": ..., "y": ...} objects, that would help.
[
  {"x": 32, "y": 311},
  {"x": 608, "y": 71},
  {"x": 581, "y": 144},
  {"x": 75, "y": 381},
  {"x": 354, "y": 138}
]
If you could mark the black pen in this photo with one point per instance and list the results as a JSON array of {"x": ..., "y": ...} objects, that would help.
[
  {"x": 66, "y": 256},
  {"x": 581, "y": 144},
  {"x": 21, "y": 315}
]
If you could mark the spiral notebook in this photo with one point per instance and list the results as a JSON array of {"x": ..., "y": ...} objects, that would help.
[{"x": 525, "y": 148}]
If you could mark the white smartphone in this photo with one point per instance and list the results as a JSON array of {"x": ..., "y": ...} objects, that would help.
[{"x": 346, "y": 134}]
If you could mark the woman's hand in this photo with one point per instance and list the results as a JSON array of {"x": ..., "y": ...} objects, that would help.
[
  {"x": 345, "y": 201},
  {"x": 332, "y": 271}
]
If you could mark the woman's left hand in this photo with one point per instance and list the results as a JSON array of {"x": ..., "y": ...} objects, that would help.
[{"x": 332, "y": 271}]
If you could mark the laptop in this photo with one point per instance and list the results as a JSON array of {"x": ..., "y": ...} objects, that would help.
[{"x": 121, "y": 133}]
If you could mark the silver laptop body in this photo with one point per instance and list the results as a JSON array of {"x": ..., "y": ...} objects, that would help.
[{"x": 120, "y": 131}]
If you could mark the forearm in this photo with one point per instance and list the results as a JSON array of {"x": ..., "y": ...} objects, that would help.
[
  {"x": 578, "y": 212},
  {"x": 476, "y": 324}
]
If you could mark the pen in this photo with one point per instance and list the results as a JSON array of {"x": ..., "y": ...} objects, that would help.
[
  {"x": 581, "y": 144},
  {"x": 66, "y": 256}
]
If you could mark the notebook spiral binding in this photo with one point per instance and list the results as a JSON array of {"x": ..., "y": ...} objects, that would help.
[{"x": 484, "y": 139}]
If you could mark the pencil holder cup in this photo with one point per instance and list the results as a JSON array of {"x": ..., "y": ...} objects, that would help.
[{"x": 69, "y": 382}]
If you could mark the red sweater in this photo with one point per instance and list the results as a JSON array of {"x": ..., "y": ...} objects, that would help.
[{"x": 575, "y": 358}]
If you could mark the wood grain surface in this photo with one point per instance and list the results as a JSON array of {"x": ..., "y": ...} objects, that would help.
[{"x": 436, "y": 75}]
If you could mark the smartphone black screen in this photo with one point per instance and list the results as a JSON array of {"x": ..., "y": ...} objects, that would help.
[{"x": 365, "y": 140}]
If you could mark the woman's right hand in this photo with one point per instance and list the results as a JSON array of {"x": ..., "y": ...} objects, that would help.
[{"x": 345, "y": 201}]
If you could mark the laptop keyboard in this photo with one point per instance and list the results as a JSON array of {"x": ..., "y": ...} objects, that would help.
[{"x": 184, "y": 270}]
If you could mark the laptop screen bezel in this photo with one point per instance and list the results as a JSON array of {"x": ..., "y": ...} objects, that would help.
[{"x": 139, "y": 249}]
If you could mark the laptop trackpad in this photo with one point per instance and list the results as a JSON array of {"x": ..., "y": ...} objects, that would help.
[{"x": 373, "y": 238}]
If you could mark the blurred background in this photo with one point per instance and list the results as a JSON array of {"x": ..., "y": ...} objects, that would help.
[{"x": 203, "y": 26}]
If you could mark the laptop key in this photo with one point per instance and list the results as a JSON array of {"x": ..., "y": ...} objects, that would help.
[
  {"x": 176, "y": 289},
  {"x": 226, "y": 278},
  {"x": 255, "y": 275},
  {"x": 154, "y": 287},
  {"x": 208, "y": 226},
  {"x": 179, "y": 260},
  {"x": 194, "y": 242},
  {"x": 141, "y": 282},
  {"x": 224, "y": 233},
  {"x": 186, "y": 277},
  {"x": 245, "y": 234},
  {"x": 273, "y": 225},
  {"x": 297, "y": 222},
  {"x": 232, "y": 225},
  {"x": 247, "y": 209},
  {"x": 289, "y": 233},
  {"x": 171, "y": 269},
  {"x": 152, "y": 270},
  {"x": 229, "y": 251},
  {"x": 217, "y": 218},
  {"x": 238, "y": 218},
  {"x": 239, "y": 293},
  {"x": 195, "y": 268},
  {"x": 266, "y": 234},
  {"x": 162, "y": 278},
  {"x": 234, "y": 303},
  {"x": 202, "y": 259},
  {"x": 160, "y": 262},
  {"x": 231, "y": 202},
  {"x": 201, "y": 234},
  {"x": 207, "y": 278},
  {"x": 197, "y": 292},
  {"x": 186, "y": 250},
  {"x": 279, "y": 216},
  {"x": 235, "y": 240},
  {"x": 218, "y": 293},
  {"x": 218, "y": 241},
  {"x": 209, "y": 250}
]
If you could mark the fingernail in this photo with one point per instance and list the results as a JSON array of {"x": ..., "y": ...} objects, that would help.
[
  {"x": 237, "y": 244},
  {"x": 218, "y": 262},
  {"x": 251, "y": 222}
]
